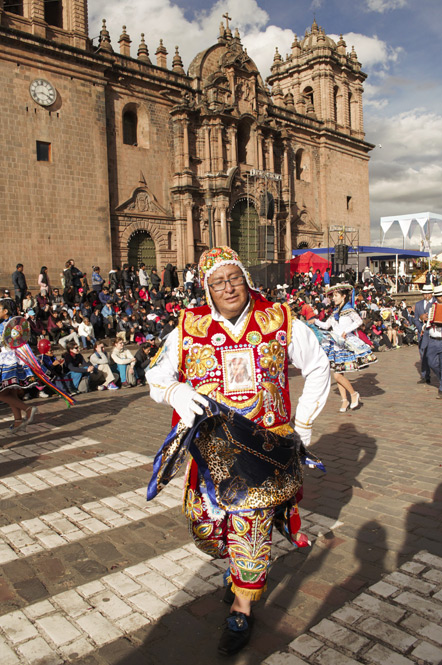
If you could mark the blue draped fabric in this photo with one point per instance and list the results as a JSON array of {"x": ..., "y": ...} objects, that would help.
[{"x": 244, "y": 466}]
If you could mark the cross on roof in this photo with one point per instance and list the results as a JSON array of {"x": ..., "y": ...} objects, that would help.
[{"x": 228, "y": 18}]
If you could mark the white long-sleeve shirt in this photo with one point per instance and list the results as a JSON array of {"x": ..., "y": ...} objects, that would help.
[
  {"x": 304, "y": 353},
  {"x": 85, "y": 330},
  {"x": 347, "y": 322}
]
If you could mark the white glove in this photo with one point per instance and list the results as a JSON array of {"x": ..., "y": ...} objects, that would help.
[
  {"x": 186, "y": 402},
  {"x": 305, "y": 435}
]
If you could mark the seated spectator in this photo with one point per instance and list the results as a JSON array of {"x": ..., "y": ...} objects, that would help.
[
  {"x": 168, "y": 326},
  {"x": 125, "y": 363},
  {"x": 86, "y": 333},
  {"x": 56, "y": 299},
  {"x": 100, "y": 360},
  {"x": 97, "y": 280},
  {"x": 108, "y": 319},
  {"x": 143, "y": 357},
  {"x": 29, "y": 302},
  {"x": 86, "y": 309},
  {"x": 68, "y": 332},
  {"x": 54, "y": 330},
  {"x": 143, "y": 294},
  {"x": 125, "y": 331},
  {"x": 37, "y": 328},
  {"x": 104, "y": 296},
  {"x": 97, "y": 322},
  {"x": 42, "y": 300},
  {"x": 378, "y": 335},
  {"x": 78, "y": 369},
  {"x": 54, "y": 368}
]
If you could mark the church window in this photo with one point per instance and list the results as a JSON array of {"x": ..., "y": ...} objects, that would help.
[
  {"x": 303, "y": 245},
  {"x": 349, "y": 111},
  {"x": 54, "y": 12},
  {"x": 298, "y": 164},
  {"x": 308, "y": 94},
  {"x": 349, "y": 203},
  {"x": 14, "y": 7},
  {"x": 243, "y": 135},
  {"x": 43, "y": 151},
  {"x": 130, "y": 127},
  {"x": 169, "y": 240},
  {"x": 335, "y": 103}
]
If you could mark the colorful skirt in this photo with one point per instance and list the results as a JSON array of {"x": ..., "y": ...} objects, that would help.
[
  {"x": 351, "y": 355},
  {"x": 14, "y": 373}
]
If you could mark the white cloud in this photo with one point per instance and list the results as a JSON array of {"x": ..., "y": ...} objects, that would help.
[
  {"x": 164, "y": 19},
  {"x": 372, "y": 52},
  {"x": 382, "y": 6},
  {"x": 406, "y": 172},
  {"x": 261, "y": 46}
]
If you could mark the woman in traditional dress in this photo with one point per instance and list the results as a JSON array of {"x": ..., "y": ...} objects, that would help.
[
  {"x": 345, "y": 351},
  {"x": 14, "y": 374}
]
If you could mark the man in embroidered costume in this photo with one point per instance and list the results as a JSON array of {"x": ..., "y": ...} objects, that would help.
[{"x": 236, "y": 350}]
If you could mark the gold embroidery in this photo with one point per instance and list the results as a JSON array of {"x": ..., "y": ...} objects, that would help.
[
  {"x": 207, "y": 388},
  {"x": 270, "y": 320},
  {"x": 290, "y": 317},
  {"x": 272, "y": 357},
  {"x": 255, "y": 401},
  {"x": 282, "y": 430},
  {"x": 197, "y": 325},
  {"x": 199, "y": 361},
  {"x": 276, "y": 397}
]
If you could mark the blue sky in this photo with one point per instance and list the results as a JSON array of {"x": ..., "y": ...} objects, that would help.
[{"x": 397, "y": 42}]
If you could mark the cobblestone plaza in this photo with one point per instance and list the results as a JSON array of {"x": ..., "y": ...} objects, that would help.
[{"x": 93, "y": 575}]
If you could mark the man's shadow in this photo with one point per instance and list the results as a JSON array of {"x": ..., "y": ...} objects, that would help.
[
  {"x": 423, "y": 528},
  {"x": 196, "y": 627},
  {"x": 326, "y": 495}
]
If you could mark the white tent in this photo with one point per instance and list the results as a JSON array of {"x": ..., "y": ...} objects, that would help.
[{"x": 425, "y": 220}]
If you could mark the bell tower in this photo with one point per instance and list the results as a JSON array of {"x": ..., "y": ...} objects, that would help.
[
  {"x": 62, "y": 21},
  {"x": 322, "y": 80}
]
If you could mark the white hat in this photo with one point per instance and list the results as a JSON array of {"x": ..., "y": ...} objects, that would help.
[
  {"x": 427, "y": 288},
  {"x": 285, "y": 286},
  {"x": 438, "y": 291}
]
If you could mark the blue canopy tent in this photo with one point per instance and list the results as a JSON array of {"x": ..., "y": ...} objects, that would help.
[{"x": 372, "y": 253}]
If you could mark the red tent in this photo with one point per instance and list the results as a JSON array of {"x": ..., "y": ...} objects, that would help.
[{"x": 307, "y": 260}]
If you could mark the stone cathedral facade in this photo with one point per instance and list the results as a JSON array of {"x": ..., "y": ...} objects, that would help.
[{"x": 111, "y": 154}]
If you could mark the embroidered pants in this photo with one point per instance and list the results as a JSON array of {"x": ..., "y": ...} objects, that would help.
[{"x": 245, "y": 538}]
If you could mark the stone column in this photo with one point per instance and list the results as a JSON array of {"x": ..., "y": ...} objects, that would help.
[
  {"x": 185, "y": 143},
  {"x": 288, "y": 234},
  {"x": 223, "y": 220},
  {"x": 271, "y": 145},
  {"x": 233, "y": 147},
  {"x": 220, "y": 148},
  {"x": 37, "y": 16},
  {"x": 190, "y": 241},
  {"x": 259, "y": 149},
  {"x": 207, "y": 160},
  {"x": 286, "y": 170}
]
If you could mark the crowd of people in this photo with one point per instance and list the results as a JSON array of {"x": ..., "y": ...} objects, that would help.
[{"x": 136, "y": 305}]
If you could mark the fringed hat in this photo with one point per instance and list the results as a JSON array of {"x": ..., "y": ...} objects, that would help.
[
  {"x": 214, "y": 258},
  {"x": 344, "y": 286}
]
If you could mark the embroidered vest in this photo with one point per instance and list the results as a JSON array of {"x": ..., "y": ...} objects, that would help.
[{"x": 247, "y": 371}]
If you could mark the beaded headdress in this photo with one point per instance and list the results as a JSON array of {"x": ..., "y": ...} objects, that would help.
[{"x": 214, "y": 258}]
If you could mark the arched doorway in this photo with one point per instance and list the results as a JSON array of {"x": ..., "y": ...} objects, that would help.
[
  {"x": 141, "y": 249},
  {"x": 244, "y": 231}
]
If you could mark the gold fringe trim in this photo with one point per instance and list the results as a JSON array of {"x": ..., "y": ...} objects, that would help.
[{"x": 251, "y": 594}]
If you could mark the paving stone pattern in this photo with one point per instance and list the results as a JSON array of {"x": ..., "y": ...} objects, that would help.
[
  {"x": 397, "y": 621},
  {"x": 94, "y": 575}
]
